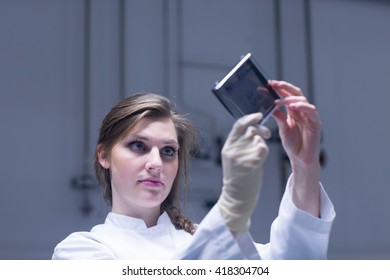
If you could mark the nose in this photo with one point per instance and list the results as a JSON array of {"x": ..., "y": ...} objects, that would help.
[{"x": 154, "y": 162}]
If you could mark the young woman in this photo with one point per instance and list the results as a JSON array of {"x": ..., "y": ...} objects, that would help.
[{"x": 141, "y": 161}]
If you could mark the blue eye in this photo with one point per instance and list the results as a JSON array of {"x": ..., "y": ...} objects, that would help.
[
  {"x": 168, "y": 151},
  {"x": 137, "y": 146}
]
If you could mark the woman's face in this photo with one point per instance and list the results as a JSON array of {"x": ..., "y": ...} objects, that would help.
[{"x": 143, "y": 167}]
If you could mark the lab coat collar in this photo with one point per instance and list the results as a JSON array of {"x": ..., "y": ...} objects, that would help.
[{"x": 131, "y": 223}]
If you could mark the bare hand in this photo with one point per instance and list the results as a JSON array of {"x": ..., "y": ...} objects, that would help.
[
  {"x": 300, "y": 128},
  {"x": 300, "y": 132}
]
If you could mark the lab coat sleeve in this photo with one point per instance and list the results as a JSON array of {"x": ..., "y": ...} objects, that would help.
[
  {"x": 296, "y": 234},
  {"x": 82, "y": 245},
  {"x": 214, "y": 241}
]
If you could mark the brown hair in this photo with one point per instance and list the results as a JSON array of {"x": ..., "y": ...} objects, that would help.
[{"x": 122, "y": 119}]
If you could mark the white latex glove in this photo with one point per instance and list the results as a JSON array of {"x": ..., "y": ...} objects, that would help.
[{"x": 243, "y": 156}]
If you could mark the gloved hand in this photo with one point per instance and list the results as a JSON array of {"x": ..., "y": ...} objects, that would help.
[{"x": 243, "y": 156}]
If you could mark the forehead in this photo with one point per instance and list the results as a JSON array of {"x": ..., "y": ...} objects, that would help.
[{"x": 162, "y": 128}]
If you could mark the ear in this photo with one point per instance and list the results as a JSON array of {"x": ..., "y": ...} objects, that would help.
[{"x": 103, "y": 157}]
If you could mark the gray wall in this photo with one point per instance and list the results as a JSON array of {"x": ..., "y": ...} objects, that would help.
[{"x": 63, "y": 64}]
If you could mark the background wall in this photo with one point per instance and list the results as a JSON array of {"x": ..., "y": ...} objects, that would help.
[{"x": 63, "y": 64}]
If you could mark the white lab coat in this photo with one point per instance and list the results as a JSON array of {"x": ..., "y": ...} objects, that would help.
[{"x": 295, "y": 234}]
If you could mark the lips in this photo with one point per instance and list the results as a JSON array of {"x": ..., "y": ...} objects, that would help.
[{"x": 152, "y": 182}]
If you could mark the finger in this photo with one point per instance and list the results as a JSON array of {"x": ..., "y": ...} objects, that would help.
[
  {"x": 263, "y": 90},
  {"x": 290, "y": 100},
  {"x": 285, "y": 88},
  {"x": 279, "y": 115},
  {"x": 302, "y": 106},
  {"x": 299, "y": 104},
  {"x": 257, "y": 130},
  {"x": 296, "y": 105},
  {"x": 253, "y": 148},
  {"x": 265, "y": 132},
  {"x": 281, "y": 119},
  {"x": 258, "y": 151},
  {"x": 309, "y": 111},
  {"x": 241, "y": 125}
]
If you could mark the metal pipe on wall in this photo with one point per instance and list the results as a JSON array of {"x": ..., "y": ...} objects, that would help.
[
  {"x": 165, "y": 48},
  {"x": 309, "y": 50},
  {"x": 310, "y": 64},
  {"x": 282, "y": 158},
  {"x": 86, "y": 181},
  {"x": 122, "y": 48},
  {"x": 278, "y": 40},
  {"x": 209, "y": 139},
  {"x": 86, "y": 84}
]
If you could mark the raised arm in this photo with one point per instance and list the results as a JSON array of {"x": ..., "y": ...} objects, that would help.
[{"x": 300, "y": 132}]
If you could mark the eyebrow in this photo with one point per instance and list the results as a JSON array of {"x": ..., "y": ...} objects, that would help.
[{"x": 144, "y": 138}]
